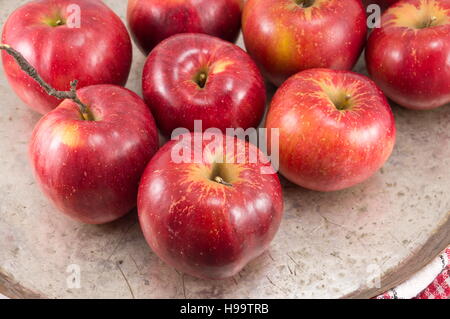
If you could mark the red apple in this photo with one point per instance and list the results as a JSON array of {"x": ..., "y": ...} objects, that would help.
[
  {"x": 47, "y": 35},
  {"x": 288, "y": 36},
  {"x": 199, "y": 77},
  {"x": 336, "y": 128},
  {"x": 91, "y": 169},
  {"x": 152, "y": 21},
  {"x": 209, "y": 217},
  {"x": 409, "y": 56}
]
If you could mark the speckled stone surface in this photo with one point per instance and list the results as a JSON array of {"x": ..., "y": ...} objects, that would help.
[{"x": 329, "y": 245}]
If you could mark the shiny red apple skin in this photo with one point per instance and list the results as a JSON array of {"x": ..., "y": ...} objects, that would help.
[
  {"x": 234, "y": 94},
  {"x": 284, "y": 38},
  {"x": 99, "y": 52},
  {"x": 321, "y": 147},
  {"x": 412, "y": 65},
  {"x": 90, "y": 170},
  {"x": 152, "y": 21},
  {"x": 203, "y": 228}
]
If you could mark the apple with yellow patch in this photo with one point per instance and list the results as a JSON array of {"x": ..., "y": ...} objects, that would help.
[
  {"x": 288, "y": 36},
  {"x": 336, "y": 128},
  {"x": 192, "y": 77},
  {"x": 409, "y": 56},
  {"x": 209, "y": 203},
  {"x": 90, "y": 168},
  {"x": 65, "y": 40}
]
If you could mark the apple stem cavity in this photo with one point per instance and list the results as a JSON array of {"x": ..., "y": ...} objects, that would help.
[
  {"x": 57, "y": 23},
  {"x": 201, "y": 78},
  {"x": 304, "y": 3},
  {"x": 31, "y": 71},
  {"x": 220, "y": 180}
]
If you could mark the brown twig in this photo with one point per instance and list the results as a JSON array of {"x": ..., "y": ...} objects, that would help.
[{"x": 31, "y": 71}]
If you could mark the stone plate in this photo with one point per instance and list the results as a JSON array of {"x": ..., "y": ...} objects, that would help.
[{"x": 353, "y": 243}]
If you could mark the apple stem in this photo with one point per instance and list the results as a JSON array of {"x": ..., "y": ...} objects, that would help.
[
  {"x": 220, "y": 180},
  {"x": 31, "y": 71},
  {"x": 201, "y": 78},
  {"x": 431, "y": 21}
]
